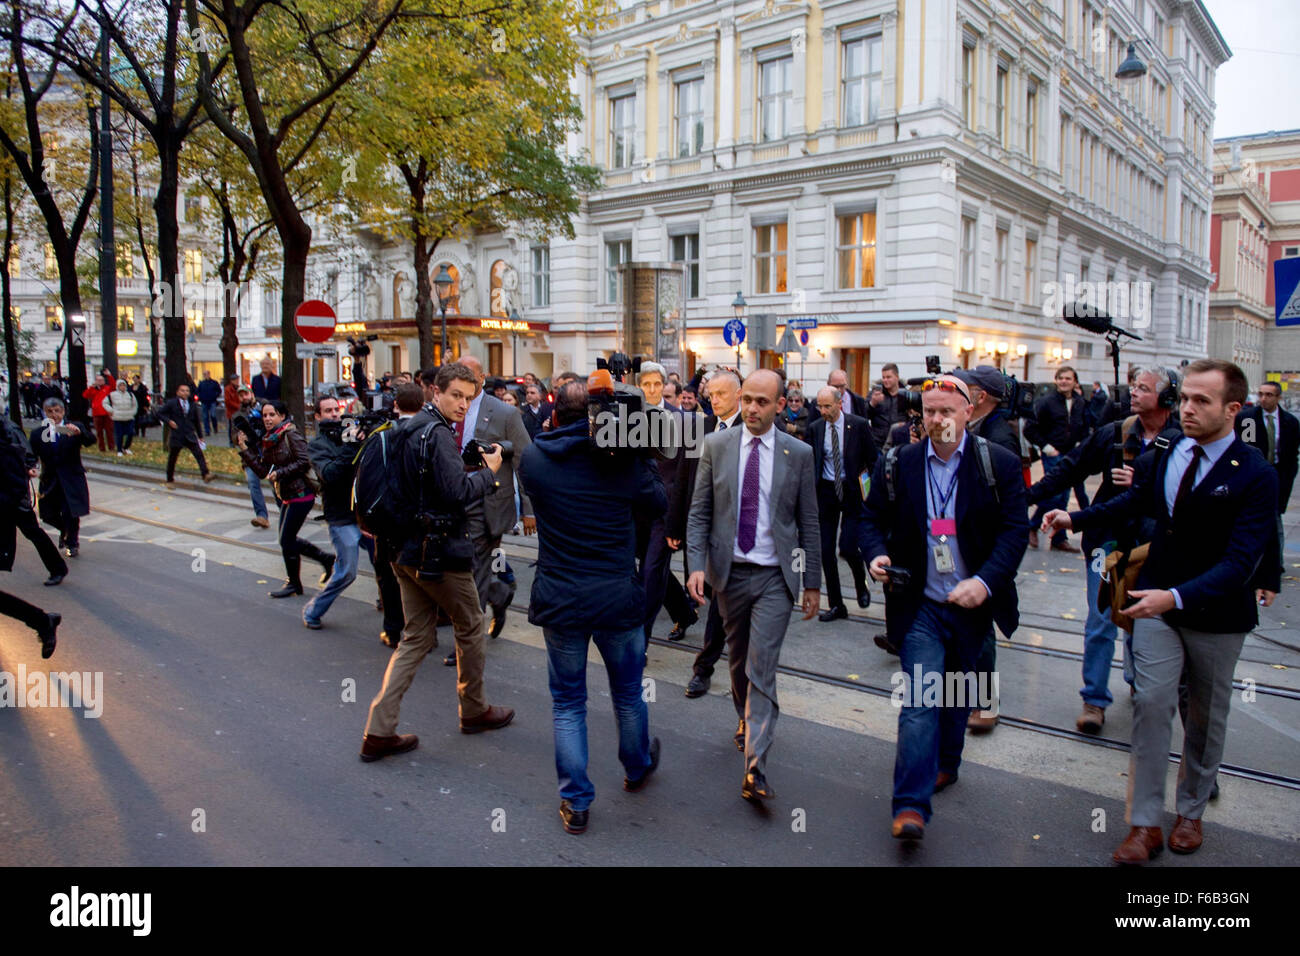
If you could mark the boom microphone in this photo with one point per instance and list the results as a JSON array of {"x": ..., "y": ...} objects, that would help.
[{"x": 1090, "y": 319}]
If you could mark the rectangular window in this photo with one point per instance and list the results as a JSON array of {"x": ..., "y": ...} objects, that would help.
[
  {"x": 51, "y": 263},
  {"x": 968, "y": 85},
  {"x": 193, "y": 265},
  {"x": 686, "y": 248},
  {"x": 124, "y": 261},
  {"x": 54, "y": 318},
  {"x": 1031, "y": 122},
  {"x": 126, "y": 318},
  {"x": 968, "y": 235},
  {"x": 856, "y": 251},
  {"x": 194, "y": 320},
  {"x": 775, "y": 97},
  {"x": 541, "y": 276},
  {"x": 616, "y": 253},
  {"x": 860, "y": 83},
  {"x": 690, "y": 116},
  {"x": 770, "y": 258},
  {"x": 1001, "y": 94},
  {"x": 1000, "y": 252},
  {"x": 193, "y": 208},
  {"x": 622, "y": 131},
  {"x": 1085, "y": 270},
  {"x": 1031, "y": 272}
]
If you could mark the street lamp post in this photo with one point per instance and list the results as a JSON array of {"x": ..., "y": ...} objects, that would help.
[
  {"x": 443, "y": 282},
  {"x": 1132, "y": 68},
  {"x": 514, "y": 342},
  {"x": 75, "y": 331},
  {"x": 738, "y": 306}
]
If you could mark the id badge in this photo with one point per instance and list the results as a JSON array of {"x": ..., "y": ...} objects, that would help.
[
  {"x": 943, "y": 558},
  {"x": 942, "y": 526}
]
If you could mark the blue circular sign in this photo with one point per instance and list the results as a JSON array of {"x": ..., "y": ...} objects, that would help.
[
  {"x": 803, "y": 336},
  {"x": 733, "y": 333}
]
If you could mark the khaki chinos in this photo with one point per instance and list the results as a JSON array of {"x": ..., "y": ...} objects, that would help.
[{"x": 456, "y": 594}]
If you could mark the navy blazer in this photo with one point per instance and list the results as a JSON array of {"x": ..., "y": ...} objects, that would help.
[
  {"x": 1288, "y": 447},
  {"x": 992, "y": 533},
  {"x": 1222, "y": 545},
  {"x": 858, "y": 454}
]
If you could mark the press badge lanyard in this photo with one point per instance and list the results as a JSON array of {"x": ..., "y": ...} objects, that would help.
[{"x": 941, "y": 527}]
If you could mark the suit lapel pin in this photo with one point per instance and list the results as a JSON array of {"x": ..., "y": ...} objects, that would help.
[
  {"x": 786, "y": 450},
  {"x": 1234, "y": 463}
]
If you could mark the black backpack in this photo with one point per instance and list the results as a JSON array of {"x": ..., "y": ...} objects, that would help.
[
  {"x": 376, "y": 496},
  {"x": 982, "y": 457}
]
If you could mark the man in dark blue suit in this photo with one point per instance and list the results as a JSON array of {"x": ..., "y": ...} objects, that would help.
[
  {"x": 843, "y": 448},
  {"x": 949, "y": 511},
  {"x": 266, "y": 387},
  {"x": 1214, "y": 554}
]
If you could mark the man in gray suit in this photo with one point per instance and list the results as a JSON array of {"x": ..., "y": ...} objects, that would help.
[
  {"x": 753, "y": 531},
  {"x": 492, "y": 420}
]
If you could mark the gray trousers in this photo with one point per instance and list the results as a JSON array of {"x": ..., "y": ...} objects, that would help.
[
  {"x": 755, "y": 606},
  {"x": 491, "y": 589},
  {"x": 1159, "y": 654}
]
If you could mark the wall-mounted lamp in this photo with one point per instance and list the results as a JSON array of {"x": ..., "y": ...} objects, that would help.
[
  {"x": 1022, "y": 350},
  {"x": 1056, "y": 353},
  {"x": 947, "y": 322},
  {"x": 1067, "y": 354},
  {"x": 1003, "y": 348},
  {"x": 968, "y": 345}
]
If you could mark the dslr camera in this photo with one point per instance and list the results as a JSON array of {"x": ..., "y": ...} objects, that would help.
[
  {"x": 472, "y": 455},
  {"x": 251, "y": 426},
  {"x": 436, "y": 530}
]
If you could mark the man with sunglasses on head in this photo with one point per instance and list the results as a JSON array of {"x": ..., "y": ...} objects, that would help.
[{"x": 944, "y": 528}]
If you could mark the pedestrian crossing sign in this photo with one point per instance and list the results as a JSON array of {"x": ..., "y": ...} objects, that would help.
[{"x": 1286, "y": 290}]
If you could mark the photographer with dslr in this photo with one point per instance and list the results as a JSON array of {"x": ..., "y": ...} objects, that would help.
[
  {"x": 435, "y": 563},
  {"x": 588, "y": 500},
  {"x": 944, "y": 526},
  {"x": 332, "y": 452},
  {"x": 247, "y": 418},
  {"x": 281, "y": 457}
]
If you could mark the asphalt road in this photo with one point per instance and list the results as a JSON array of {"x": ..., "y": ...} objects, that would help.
[{"x": 220, "y": 708}]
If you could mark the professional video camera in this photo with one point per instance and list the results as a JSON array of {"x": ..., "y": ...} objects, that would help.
[
  {"x": 618, "y": 365},
  {"x": 358, "y": 348},
  {"x": 250, "y": 425},
  {"x": 353, "y": 429}
]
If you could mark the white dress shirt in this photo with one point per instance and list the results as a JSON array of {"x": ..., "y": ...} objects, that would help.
[
  {"x": 828, "y": 460},
  {"x": 764, "y": 550},
  {"x": 846, "y": 402},
  {"x": 471, "y": 418}
]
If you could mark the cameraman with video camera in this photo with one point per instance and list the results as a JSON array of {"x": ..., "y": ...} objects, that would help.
[
  {"x": 435, "y": 563},
  {"x": 333, "y": 452}
]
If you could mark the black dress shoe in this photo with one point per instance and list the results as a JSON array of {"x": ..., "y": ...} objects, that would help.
[
  {"x": 864, "y": 599},
  {"x": 288, "y": 590},
  {"x": 449, "y": 660},
  {"x": 575, "y": 821},
  {"x": 882, "y": 642},
  {"x": 54, "y": 579},
  {"x": 698, "y": 687},
  {"x": 755, "y": 788},
  {"x": 1214, "y": 790},
  {"x": 677, "y": 633},
  {"x": 739, "y": 737},
  {"x": 379, "y": 605},
  {"x": 47, "y": 635},
  {"x": 498, "y": 619},
  {"x": 632, "y": 786},
  {"x": 329, "y": 570},
  {"x": 389, "y": 641},
  {"x": 72, "y": 550},
  {"x": 840, "y": 612}
]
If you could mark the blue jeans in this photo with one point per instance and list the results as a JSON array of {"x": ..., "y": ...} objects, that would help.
[
  {"x": 346, "y": 539},
  {"x": 210, "y": 419},
  {"x": 1099, "y": 645},
  {"x": 623, "y": 653},
  {"x": 255, "y": 493},
  {"x": 1059, "y": 501},
  {"x": 123, "y": 432},
  {"x": 943, "y": 638}
]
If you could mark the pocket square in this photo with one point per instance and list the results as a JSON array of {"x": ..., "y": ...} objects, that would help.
[{"x": 1220, "y": 492}]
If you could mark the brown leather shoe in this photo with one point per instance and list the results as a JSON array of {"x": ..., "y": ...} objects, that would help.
[
  {"x": 259, "y": 522},
  {"x": 944, "y": 781},
  {"x": 908, "y": 825},
  {"x": 1141, "y": 844},
  {"x": 1091, "y": 720},
  {"x": 1033, "y": 538},
  {"x": 491, "y": 719},
  {"x": 981, "y": 721},
  {"x": 374, "y": 748},
  {"x": 1065, "y": 546},
  {"x": 208, "y": 477},
  {"x": 1185, "y": 837}
]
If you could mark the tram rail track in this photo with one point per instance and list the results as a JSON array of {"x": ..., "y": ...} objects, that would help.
[{"x": 1021, "y": 723}]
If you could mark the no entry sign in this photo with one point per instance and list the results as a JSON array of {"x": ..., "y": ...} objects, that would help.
[{"x": 314, "y": 320}]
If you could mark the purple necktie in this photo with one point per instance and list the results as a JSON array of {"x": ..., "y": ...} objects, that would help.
[{"x": 749, "y": 502}]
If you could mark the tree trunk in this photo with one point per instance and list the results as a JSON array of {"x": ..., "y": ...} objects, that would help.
[
  {"x": 173, "y": 318},
  {"x": 293, "y": 278},
  {"x": 424, "y": 302},
  {"x": 232, "y": 272},
  {"x": 11, "y": 334}
]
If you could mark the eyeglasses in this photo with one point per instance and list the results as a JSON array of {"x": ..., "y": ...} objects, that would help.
[{"x": 944, "y": 385}]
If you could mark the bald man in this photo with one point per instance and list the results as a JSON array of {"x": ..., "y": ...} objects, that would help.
[{"x": 753, "y": 536}]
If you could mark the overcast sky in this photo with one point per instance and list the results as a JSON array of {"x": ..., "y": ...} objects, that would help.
[{"x": 1255, "y": 91}]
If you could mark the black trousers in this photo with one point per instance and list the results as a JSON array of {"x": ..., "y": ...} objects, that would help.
[
  {"x": 13, "y": 606},
  {"x": 55, "y": 513},
  {"x": 831, "y": 514},
  {"x": 195, "y": 450},
  {"x": 26, "y": 522},
  {"x": 381, "y": 559}
]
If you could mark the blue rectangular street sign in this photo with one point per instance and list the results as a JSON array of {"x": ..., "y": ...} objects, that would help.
[
  {"x": 1286, "y": 290},
  {"x": 805, "y": 323}
]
